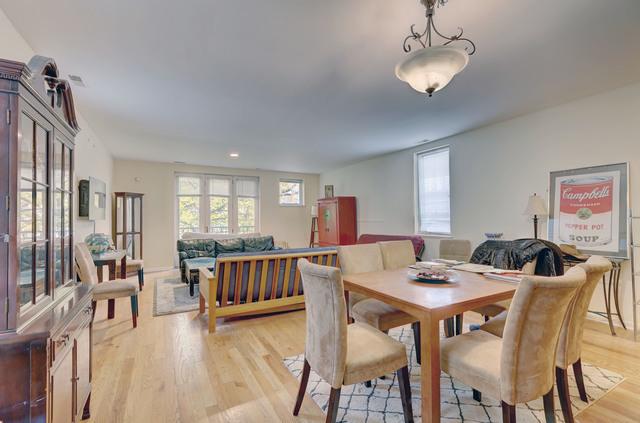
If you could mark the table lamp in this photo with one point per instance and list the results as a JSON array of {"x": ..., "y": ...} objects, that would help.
[{"x": 536, "y": 207}]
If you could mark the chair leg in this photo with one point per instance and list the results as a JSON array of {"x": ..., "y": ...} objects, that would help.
[
  {"x": 368, "y": 384},
  {"x": 477, "y": 395},
  {"x": 415, "y": 326},
  {"x": 459, "y": 320},
  {"x": 303, "y": 387},
  {"x": 508, "y": 413},
  {"x": 405, "y": 393},
  {"x": 562, "y": 381},
  {"x": 334, "y": 402},
  {"x": 140, "y": 279},
  {"x": 134, "y": 311},
  {"x": 486, "y": 318},
  {"x": 94, "y": 306},
  {"x": 577, "y": 372},
  {"x": 549, "y": 408}
]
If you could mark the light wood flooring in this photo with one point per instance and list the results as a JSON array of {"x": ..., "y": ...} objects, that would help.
[{"x": 170, "y": 369}]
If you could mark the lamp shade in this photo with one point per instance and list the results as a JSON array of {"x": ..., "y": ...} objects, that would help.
[
  {"x": 430, "y": 69},
  {"x": 536, "y": 206},
  {"x": 314, "y": 211}
]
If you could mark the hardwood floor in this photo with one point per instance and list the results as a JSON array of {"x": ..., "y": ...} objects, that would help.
[{"x": 170, "y": 369}]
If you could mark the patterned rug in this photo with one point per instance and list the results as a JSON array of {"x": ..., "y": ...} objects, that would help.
[
  {"x": 381, "y": 403},
  {"x": 172, "y": 296}
]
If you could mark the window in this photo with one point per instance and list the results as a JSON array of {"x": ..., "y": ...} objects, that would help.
[
  {"x": 217, "y": 204},
  {"x": 433, "y": 209},
  {"x": 291, "y": 192}
]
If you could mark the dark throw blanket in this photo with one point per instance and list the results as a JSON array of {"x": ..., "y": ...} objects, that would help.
[{"x": 514, "y": 255}]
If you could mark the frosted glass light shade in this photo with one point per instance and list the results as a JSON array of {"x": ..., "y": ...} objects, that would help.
[{"x": 430, "y": 69}]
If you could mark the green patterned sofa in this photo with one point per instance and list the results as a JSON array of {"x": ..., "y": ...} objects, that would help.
[{"x": 196, "y": 253}]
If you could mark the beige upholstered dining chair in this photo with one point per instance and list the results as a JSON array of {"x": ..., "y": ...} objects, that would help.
[
  {"x": 519, "y": 367},
  {"x": 134, "y": 266},
  {"x": 397, "y": 254},
  {"x": 344, "y": 354},
  {"x": 455, "y": 249},
  {"x": 570, "y": 343},
  {"x": 363, "y": 258},
  {"x": 496, "y": 308},
  {"x": 360, "y": 258},
  {"x": 107, "y": 290}
]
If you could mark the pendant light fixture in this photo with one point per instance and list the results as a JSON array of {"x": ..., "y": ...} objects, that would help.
[{"x": 432, "y": 67}]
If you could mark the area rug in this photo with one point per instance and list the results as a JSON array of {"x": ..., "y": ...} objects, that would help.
[
  {"x": 381, "y": 403},
  {"x": 172, "y": 296}
]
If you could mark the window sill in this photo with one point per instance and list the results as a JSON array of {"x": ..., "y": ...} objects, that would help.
[{"x": 434, "y": 236}]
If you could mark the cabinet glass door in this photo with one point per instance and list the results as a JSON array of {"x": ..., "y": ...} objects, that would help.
[
  {"x": 33, "y": 227},
  {"x": 62, "y": 213}
]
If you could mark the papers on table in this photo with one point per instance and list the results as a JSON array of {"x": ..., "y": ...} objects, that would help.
[
  {"x": 449, "y": 262},
  {"x": 486, "y": 270},
  {"x": 474, "y": 268},
  {"x": 506, "y": 277}
]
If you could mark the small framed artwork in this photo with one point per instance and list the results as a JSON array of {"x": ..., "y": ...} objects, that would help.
[
  {"x": 589, "y": 208},
  {"x": 328, "y": 191}
]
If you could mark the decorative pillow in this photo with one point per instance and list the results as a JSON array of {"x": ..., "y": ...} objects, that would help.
[
  {"x": 234, "y": 245},
  {"x": 98, "y": 243},
  {"x": 260, "y": 243}
]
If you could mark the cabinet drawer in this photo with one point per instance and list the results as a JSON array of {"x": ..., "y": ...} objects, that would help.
[{"x": 63, "y": 341}]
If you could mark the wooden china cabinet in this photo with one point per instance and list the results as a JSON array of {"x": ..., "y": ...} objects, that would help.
[
  {"x": 46, "y": 319},
  {"x": 127, "y": 223}
]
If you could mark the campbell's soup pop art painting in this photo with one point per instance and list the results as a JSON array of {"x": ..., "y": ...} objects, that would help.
[
  {"x": 588, "y": 208},
  {"x": 586, "y": 211}
]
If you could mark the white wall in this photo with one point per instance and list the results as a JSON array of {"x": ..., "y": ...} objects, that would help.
[
  {"x": 494, "y": 169},
  {"x": 157, "y": 182},
  {"x": 91, "y": 157}
]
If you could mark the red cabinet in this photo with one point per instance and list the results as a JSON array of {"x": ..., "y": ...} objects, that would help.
[{"x": 337, "y": 221}]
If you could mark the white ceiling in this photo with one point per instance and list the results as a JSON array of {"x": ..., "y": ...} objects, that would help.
[{"x": 309, "y": 85}]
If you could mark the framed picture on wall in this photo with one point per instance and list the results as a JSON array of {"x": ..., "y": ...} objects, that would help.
[
  {"x": 588, "y": 207},
  {"x": 328, "y": 191}
]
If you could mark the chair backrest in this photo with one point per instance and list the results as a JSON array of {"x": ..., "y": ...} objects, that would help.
[
  {"x": 531, "y": 333},
  {"x": 397, "y": 254},
  {"x": 455, "y": 249},
  {"x": 360, "y": 258},
  {"x": 326, "y": 343},
  {"x": 530, "y": 268},
  {"x": 570, "y": 343},
  {"x": 85, "y": 268}
]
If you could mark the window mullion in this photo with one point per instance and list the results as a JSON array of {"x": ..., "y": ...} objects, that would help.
[
  {"x": 233, "y": 209},
  {"x": 205, "y": 209}
]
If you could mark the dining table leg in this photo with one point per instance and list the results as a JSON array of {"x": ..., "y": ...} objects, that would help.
[
  {"x": 111, "y": 304},
  {"x": 430, "y": 368}
]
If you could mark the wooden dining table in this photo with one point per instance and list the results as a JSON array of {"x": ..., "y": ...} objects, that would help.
[{"x": 430, "y": 303}]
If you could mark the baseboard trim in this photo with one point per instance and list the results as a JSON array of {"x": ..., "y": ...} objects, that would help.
[{"x": 159, "y": 269}]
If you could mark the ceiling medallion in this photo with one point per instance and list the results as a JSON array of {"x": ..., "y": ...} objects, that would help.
[{"x": 431, "y": 68}]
